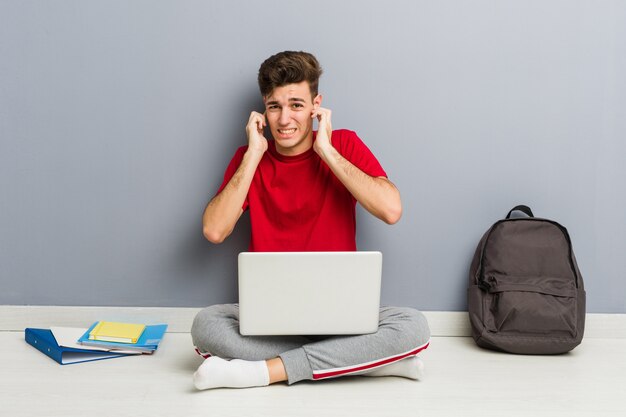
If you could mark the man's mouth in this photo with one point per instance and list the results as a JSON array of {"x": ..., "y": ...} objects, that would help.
[{"x": 287, "y": 132}]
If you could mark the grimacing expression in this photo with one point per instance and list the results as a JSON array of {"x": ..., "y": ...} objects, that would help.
[{"x": 288, "y": 111}]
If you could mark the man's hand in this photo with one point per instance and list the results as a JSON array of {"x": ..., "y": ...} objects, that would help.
[
  {"x": 254, "y": 130},
  {"x": 324, "y": 131}
]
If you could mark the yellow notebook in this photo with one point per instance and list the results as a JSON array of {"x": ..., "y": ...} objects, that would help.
[{"x": 108, "y": 331}]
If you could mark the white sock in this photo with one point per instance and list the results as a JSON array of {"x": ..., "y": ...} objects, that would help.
[
  {"x": 411, "y": 367},
  {"x": 219, "y": 373}
]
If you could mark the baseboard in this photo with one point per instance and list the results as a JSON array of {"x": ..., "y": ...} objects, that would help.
[{"x": 179, "y": 319}]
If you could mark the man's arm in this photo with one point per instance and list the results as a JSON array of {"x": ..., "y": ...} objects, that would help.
[
  {"x": 377, "y": 195},
  {"x": 224, "y": 210}
]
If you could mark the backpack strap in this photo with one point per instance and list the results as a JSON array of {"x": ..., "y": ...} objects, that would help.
[{"x": 524, "y": 209}]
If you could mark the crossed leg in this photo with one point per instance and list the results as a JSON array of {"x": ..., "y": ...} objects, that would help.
[{"x": 392, "y": 350}]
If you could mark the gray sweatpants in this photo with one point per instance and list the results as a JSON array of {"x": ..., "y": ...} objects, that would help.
[{"x": 402, "y": 332}]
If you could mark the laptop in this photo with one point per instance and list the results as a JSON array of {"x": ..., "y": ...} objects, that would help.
[{"x": 309, "y": 293}]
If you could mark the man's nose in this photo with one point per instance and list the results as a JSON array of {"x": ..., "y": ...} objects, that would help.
[{"x": 285, "y": 116}]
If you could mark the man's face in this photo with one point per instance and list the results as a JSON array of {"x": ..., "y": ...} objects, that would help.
[{"x": 288, "y": 110}]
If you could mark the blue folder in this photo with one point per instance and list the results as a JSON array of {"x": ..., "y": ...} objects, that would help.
[{"x": 44, "y": 341}]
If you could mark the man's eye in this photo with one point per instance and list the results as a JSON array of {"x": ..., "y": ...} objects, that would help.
[{"x": 296, "y": 105}]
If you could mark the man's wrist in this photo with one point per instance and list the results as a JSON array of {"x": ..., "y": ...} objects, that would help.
[
  {"x": 326, "y": 151},
  {"x": 253, "y": 154}
]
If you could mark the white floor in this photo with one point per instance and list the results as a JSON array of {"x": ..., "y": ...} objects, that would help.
[{"x": 461, "y": 380}]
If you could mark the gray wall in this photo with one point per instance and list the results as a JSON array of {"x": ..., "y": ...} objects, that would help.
[{"x": 117, "y": 119}]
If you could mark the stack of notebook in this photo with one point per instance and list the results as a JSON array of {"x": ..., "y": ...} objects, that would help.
[
  {"x": 124, "y": 336},
  {"x": 103, "y": 340}
]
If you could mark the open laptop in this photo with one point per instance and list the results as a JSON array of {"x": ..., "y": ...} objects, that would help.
[{"x": 309, "y": 293}]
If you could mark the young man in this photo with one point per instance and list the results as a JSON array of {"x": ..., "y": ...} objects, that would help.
[{"x": 301, "y": 189}]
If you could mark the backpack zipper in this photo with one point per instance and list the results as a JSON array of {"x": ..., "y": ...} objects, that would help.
[{"x": 486, "y": 284}]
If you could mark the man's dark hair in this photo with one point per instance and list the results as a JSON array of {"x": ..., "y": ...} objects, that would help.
[{"x": 289, "y": 67}]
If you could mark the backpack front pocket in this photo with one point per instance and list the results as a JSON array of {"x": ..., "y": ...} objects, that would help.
[{"x": 531, "y": 306}]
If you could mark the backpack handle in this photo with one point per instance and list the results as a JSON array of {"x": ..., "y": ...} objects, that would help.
[{"x": 524, "y": 209}]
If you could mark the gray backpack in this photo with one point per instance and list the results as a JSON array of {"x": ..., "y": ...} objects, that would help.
[{"x": 525, "y": 292}]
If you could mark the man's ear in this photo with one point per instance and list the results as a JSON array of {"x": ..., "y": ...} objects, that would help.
[{"x": 317, "y": 101}]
